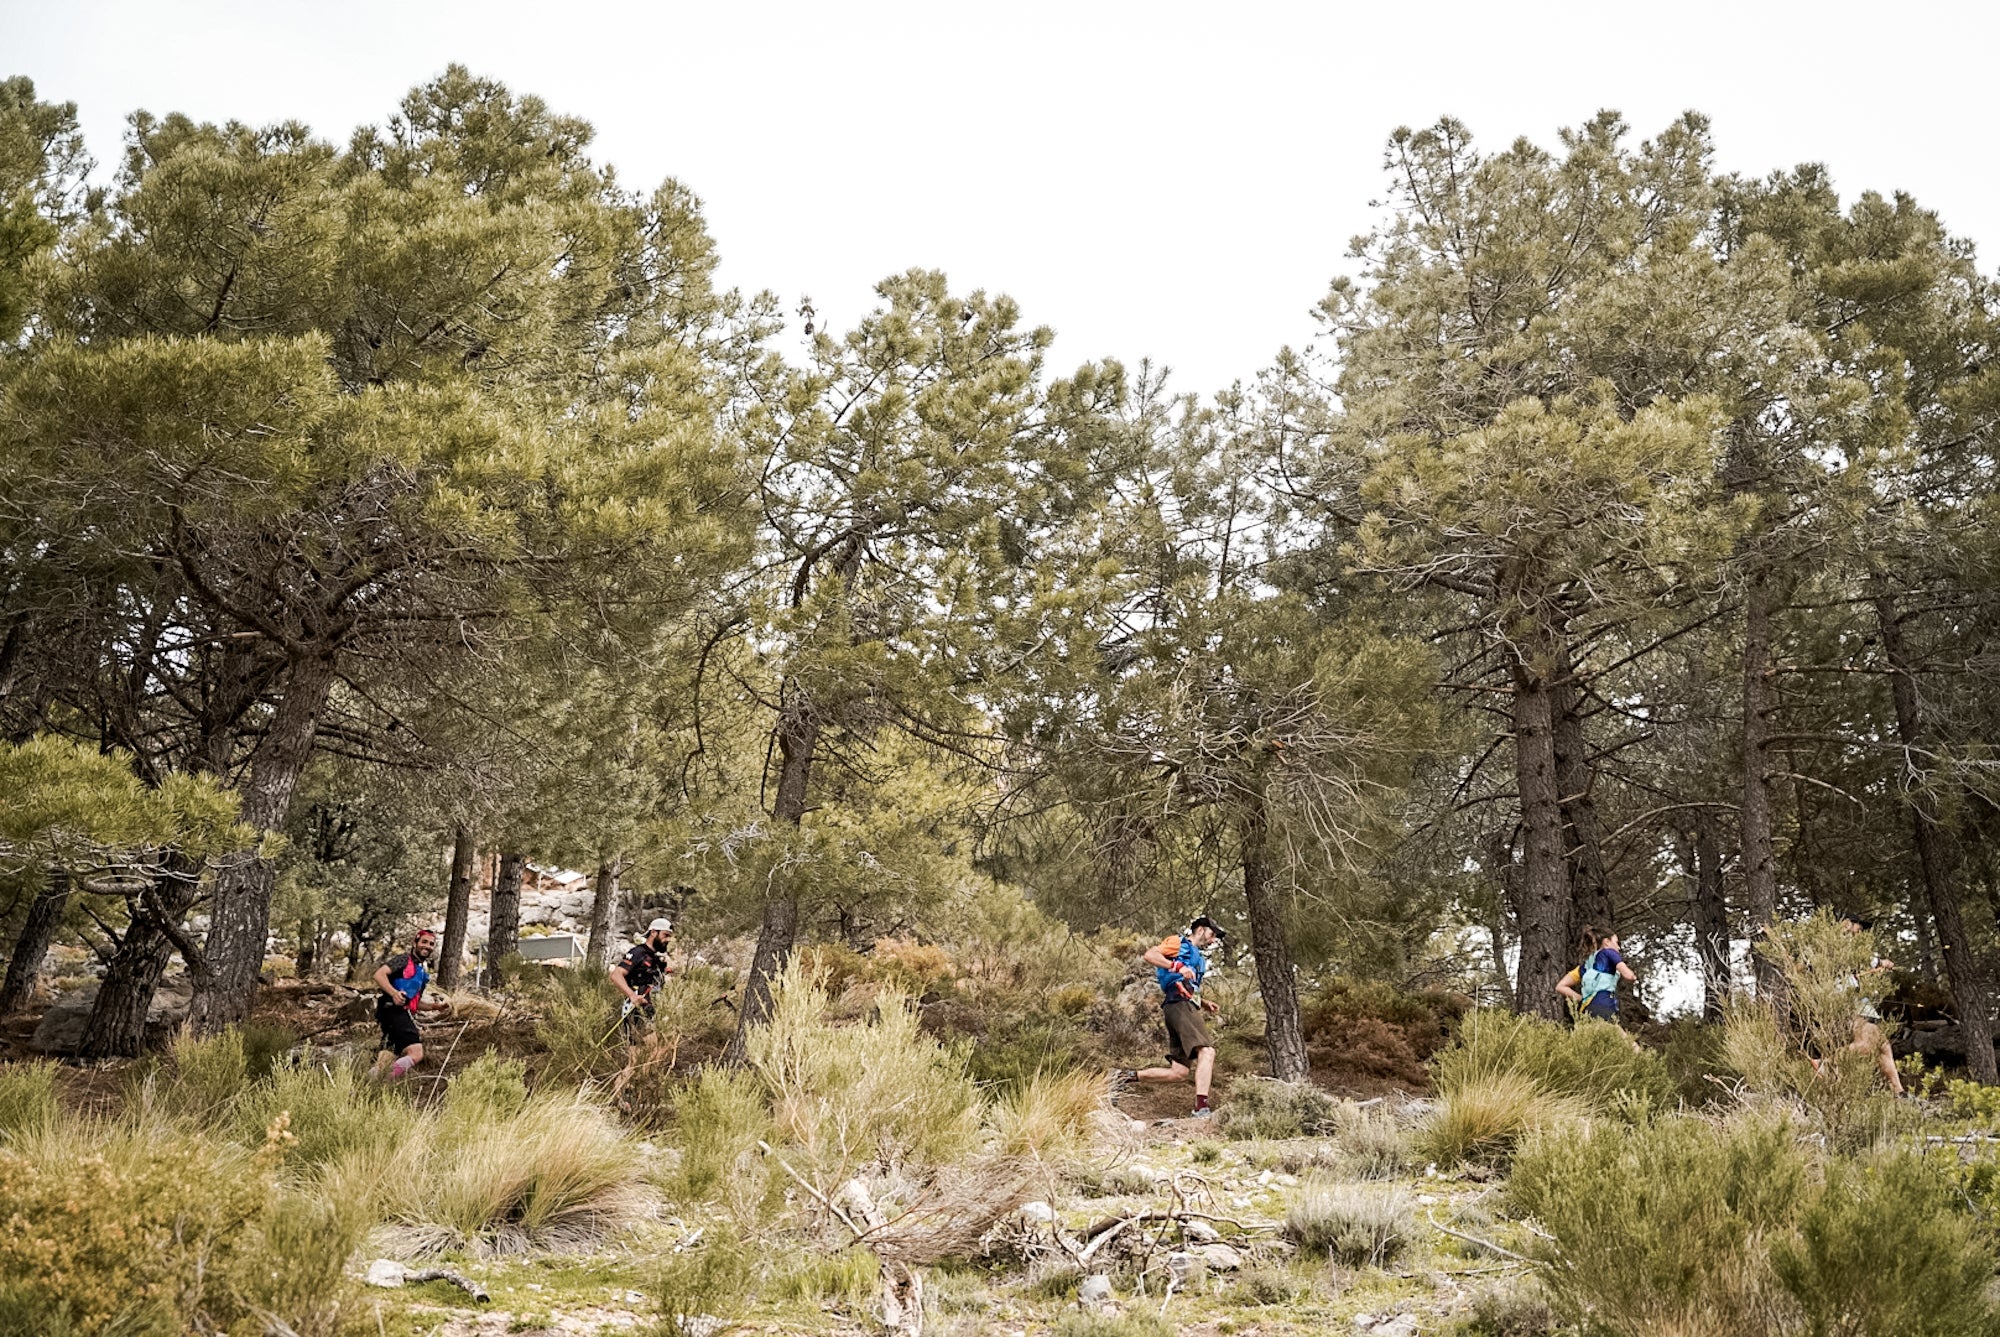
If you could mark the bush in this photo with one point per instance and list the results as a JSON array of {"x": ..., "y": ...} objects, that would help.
[
  {"x": 264, "y": 1046},
  {"x": 204, "y": 1073},
  {"x": 719, "y": 1123},
  {"x": 1510, "y": 1309},
  {"x": 881, "y": 1090},
  {"x": 848, "y": 1277},
  {"x": 1879, "y": 1250},
  {"x": 1594, "y": 1062},
  {"x": 1264, "y": 1286},
  {"x": 1373, "y": 1146},
  {"x": 1368, "y": 1029},
  {"x": 1263, "y": 1107},
  {"x": 1485, "y": 1118},
  {"x": 28, "y": 1101},
  {"x": 151, "y": 1229},
  {"x": 1688, "y": 1226},
  {"x": 1356, "y": 1226},
  {"x": 489, "y": 1088},
  {"x": 712, "y": 1278}
]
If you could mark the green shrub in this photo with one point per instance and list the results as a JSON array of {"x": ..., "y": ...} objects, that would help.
[
  {"x": 577, "y": 1029},
  {"x": 1687, "y": 1226},
  {"x": 1264, "y": 1286},
  {"x": 1594, "y": 1061},
  {"x": 28, "y": 1100},
  {"x": 1975, "y": 1101},
  {"x": 1012, "y": 1048},
  {"x": 264, "y": 1045},
  {"x": 1510, "y": 1309},
  {"x": 713, "y": 1277},
  {"x": 1263, "y": 1107},
  {"x": 487, "y": 1089},
  {"x": 151, "y": 1229},
  {"x": 1879, "y": 1250},
  {"x": 718, "y": 1124},
  {"x": 849, "y": 1277},
  {"x": 844, "y": 1095},
  {"x": 1355, "y": 1225},
  {"x": 1373, "y": 1145},
  {"x": 556, "y": 1172},
  {"x": 1693, "y": 1051}
]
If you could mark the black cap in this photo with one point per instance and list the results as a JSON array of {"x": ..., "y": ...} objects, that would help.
[{"x": 1203, "y": 921}]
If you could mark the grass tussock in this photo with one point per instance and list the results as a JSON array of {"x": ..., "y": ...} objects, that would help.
[
  {"x": 1484, "y": 1118},
  {"x": 1690, "y": 1226},
  {"x": 1355, "y": 1225},
  {"x": 1136, "y": 1324},
  {"x": 28, "y": 1100},
  {"x": 1593, "y": 1062},
  {"x": 1049, "y": 1118}
]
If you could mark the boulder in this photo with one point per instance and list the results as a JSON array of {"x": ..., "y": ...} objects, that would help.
[
  {"x": 61, "y": 1028},
  {"x": 385, "y": 1272},
  {"x": 1095, "y": 1291},
  {"x": 1220, "y": 1257}
]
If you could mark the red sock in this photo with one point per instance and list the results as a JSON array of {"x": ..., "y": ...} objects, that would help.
[{"x": 1201, "y": 1102}]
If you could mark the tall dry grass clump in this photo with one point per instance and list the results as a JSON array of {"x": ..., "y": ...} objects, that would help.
[
  {"x": 1049, "y": 1119},
  {"x": 28, "y": 1100},
  {"x": 1355, "y": 1225},
  {"x": 1507, "y": 1077}
]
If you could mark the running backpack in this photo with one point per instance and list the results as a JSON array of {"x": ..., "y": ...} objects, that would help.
[{"x": 1594, "y": 981}]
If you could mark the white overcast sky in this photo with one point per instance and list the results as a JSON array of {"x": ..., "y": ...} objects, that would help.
[{"x": 1168, "y": 180}]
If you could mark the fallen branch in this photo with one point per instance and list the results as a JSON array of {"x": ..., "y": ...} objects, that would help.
[
  {"x": 1474, "y": 1239},
  {"x": 818, "y": 1196},
  {"x": 463, "y": 1282},
  {"x": 1183, "y": 1215}
]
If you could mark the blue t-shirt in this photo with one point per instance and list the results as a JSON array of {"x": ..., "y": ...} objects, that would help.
[{"x": 1173, "y": 985}]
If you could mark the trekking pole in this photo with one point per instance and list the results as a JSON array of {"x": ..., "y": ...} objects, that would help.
[{"x": 624, "y": 1011}]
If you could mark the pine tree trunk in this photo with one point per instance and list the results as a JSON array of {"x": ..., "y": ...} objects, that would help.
[
  {"x": 1271, "y": 948},
  {"x": 1543, "y": 910},
  {"x": 1590, "y": 889},
  {"x": 798, "y": 741},
  {"x": 240, "y": 907},
  {"x": 1962, "y": 969},
  {"x": 38, "y": 934},
  {"x": 1711, "y": 915},
  {"x": 1760, "y": 866},
  {"x": 457, "y": 909},
  {"x": 603, "y": 906},
  {"x": 503, "y": 922},
  {"x": 117, "y": 1025}
]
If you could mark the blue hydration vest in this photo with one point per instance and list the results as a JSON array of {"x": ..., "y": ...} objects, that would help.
[
  {"x": 1172, "y": 984},
  {"x": 412, "y": 981},
  {"x": 1594, "y": 981}
]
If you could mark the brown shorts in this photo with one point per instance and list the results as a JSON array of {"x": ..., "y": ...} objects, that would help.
[{"x": 1187, "y": 1031}]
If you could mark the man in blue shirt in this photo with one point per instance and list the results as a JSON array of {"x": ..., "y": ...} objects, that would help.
[
  {"x": 1180, "y": 964},
  {"x": 400, "y": 982}
]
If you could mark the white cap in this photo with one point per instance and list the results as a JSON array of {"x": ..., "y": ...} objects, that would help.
[{"x": 660, "y": 926}]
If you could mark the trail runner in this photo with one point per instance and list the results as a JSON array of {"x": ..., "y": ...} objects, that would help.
[
  {"x": 637, "y": 974},
  {"x": 400, "y": 982},
  {"x": 1180, "y": 964},
  {"x": 1593, "y": 985}
]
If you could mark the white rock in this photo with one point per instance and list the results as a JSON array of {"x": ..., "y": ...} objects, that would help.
[
  {"x": 385, "y": 1272},
  {"x": 1199, "y": 1232},
  {"x": 1286, "y": 1181},
  {"x": 1364, "y": 1321},
  {"x": 1403, "y": 1325},
  {"x": 1095, "y": 1292},
  {"x": 1239, "y": 1202},
  {"x": 1039, "y": 1212},
  {"x": 1220, "y": 1257},
  {"x": 1264, "y": 1180}
]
